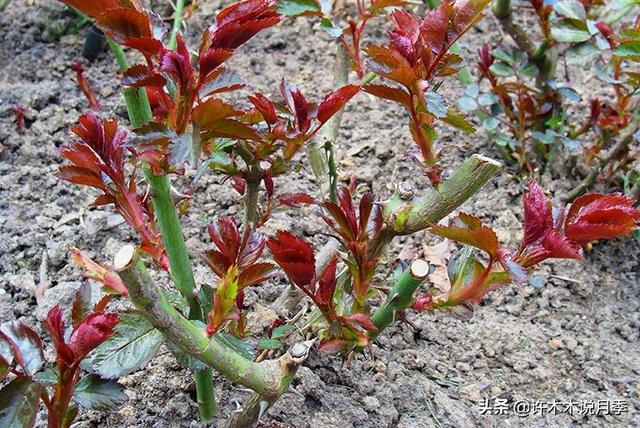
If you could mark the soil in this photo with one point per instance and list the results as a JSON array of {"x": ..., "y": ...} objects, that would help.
[{"x": 574, "y": 338}]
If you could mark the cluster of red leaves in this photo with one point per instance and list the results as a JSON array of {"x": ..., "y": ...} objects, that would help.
[
  {"x": 356, "y": 230},
  {"x": 85, "y": 337},
  {"x": 548, "y": 234},
  {"x": 21, "y": 352},
  {"x": 417, "y": 53},
  {"x": 235, "y": 262},
  {"x": 84, "y": 85},
  {"x": 268, "y": 150},
  {"x": 295, "y": 256},
  {"x": 98, "y": 160}
]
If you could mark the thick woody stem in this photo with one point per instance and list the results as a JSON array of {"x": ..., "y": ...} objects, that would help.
[
  {"x": 256, "y": 405},
  {"x": 268, "y": 378},
  {"x": 405, "y": 215}
]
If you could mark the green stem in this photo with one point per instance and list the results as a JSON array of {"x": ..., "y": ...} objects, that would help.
[
  {"x": 264, "y": 378},
  {"x": 205, "y": 393},
  {"x": 326, "y": 165},
  {"x": 169, "y": 224},
  {"x": 400, "y": 296},
  {"x": 179, "y": 264},
  {"x": 134, "y": 98},
  {"x": 177, "y": 24}
]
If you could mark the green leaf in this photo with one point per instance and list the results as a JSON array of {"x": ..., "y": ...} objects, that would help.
[
  {"x": 269, "y": 344},
  {"x": 457, "y": 120},
  {"x": 283, "y": 330},
  {"x": 4, "y": 368},
  {"x": 297, "y": 7},
  {"x": 133, "y": 344},
  {"x": 629, "y": 50},
  {"x": 186, "y": 360},
  {"x": 329, "y": 28},
  {"x": 19, "y": 402},
  {"x": 466, "y": 104},
  {"x": 490, "y": 123},
  {"x": 503, "y": 56},
  {"x": 582, "y": 54},
  {"x": 570, "y": 9},
  {"x": 501, "y": 69},
  {"x": 241, "y": 347},
  {"x": 570, "y": 32},
  {"x": 435, "y": 104},
  {"x": 94, "y": 393},
  {"x": 26, "y": 344}
]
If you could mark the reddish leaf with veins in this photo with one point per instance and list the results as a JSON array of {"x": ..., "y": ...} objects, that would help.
[
  {"x": 109, "y": 280},
  {"x": 538, "y": 217},
  {"x": 235, "y": 263},
  {"x": 295, "y": 256},
  {"x": 98, "y": 161},
  {"x": 87, "y": 336},
  {"x": 471, "y": 232},
  {"x": 598, "y": 216},
  {"x": 335, "y": 101}
]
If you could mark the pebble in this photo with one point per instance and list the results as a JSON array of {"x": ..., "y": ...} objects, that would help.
[
  {"x": 463, "y": 367},
  {"x": 555, "y": 344}
]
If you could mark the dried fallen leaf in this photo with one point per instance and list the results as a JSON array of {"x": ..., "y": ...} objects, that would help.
[{"x": 438, "y": 256}]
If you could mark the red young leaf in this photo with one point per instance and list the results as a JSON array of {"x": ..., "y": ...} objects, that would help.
[
  {"x": 124, "y": 23},
  {"x": 142, "y": 76},
  {"x": 473, "y": 233},
  {"x": 538, "y": 218},
  {"x": 559, "y": 247},
  {"x": 389, "y": 93},
  {"x": 598, "y": 216},
  {"x": 364, "y": 321},
  {"x": 177, "y": 64},
  {"x": 91, "y": 332},
  {"x": 294, "y": 256},
  {"x": 109, "y": 280},
  {"x": 84, "y": 85},
  {"x": 55, "y": 325},
  {"x": 327, "y": 284},
  {"x": 265, "y": 107},
  {"x": 239, "y": 22},
  {"x": 335, "y": 101},
  {"x": 96, "y": 8},
  {"x": 25, "y": 345}
]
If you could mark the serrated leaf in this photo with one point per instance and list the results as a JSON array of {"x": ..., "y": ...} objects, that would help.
[
  {"x": 283, "y": 330},
  {"x": 501, "y": 69},
  {"x": 19, "y": 402},
  {"x": 457, "y": 120},
  {"x": 582, "y": 54},
  {"x": 629, "y": 50},
  {"x": 221, "y": 80},
  {"x": 436, "y": 104},
  {"x": 297, "y": 7},
  {"x": 25, "y": 344},
  {"x": 329, "y": 28},
  {"x": 570, "y": 9},
  {"x": 133, "y": 344},
  {"x": 269, "y": 344},
  {"x": 570, "y": 32},
  {"x": 243, "y": 348},
  {"x": 503, "y": 56},
  {"x": 94, "y": 393}
]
